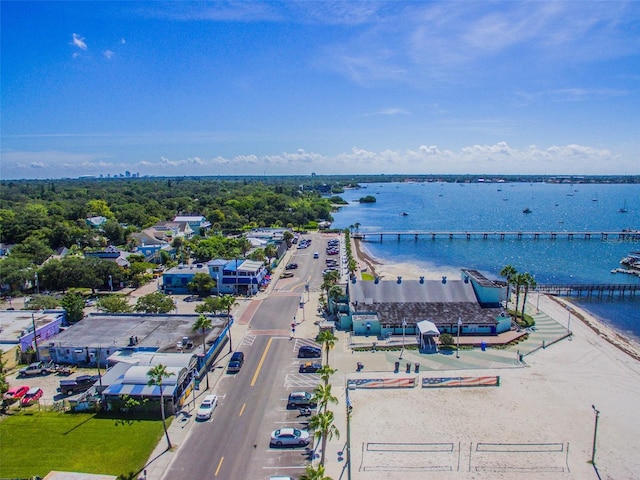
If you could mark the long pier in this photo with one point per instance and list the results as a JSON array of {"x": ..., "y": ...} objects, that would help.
[
  {"x": 620, "y": 235},
  {"x": 590, "y": 289}
]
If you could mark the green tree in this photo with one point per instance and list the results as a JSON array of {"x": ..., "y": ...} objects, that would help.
[
  {"x": 157, "y": 375},
  {"x": 324, "y": 430},
  {"x": 210, "y": 305},
  {"x": 99, "y": 208},
  {"x": 156, "y": 302},
  {"x": 227, "y": 302},
  {"x": 114, "y": 304},
  {"x": 16, "y": 272},
  {"x": 202, "y": 284},
  {"x": 34, "y": 248},
  {"x": 42, "y": 302},
  {"x": 73, "y": 304},
  {"x": 518, "y": 280},
  {"x": 447, "y": 339},
  {"x": 328, "y": 340},
  {"x": 508, "y": 272},
  {"x": 270, "y": 251},
  {"x": 202, "y": 324},
  {"x": 314, "y": 473}
]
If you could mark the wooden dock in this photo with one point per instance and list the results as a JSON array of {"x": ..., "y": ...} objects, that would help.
[
  {"x": 599, "y": 290},
  {"x": 620, "y": 235}
]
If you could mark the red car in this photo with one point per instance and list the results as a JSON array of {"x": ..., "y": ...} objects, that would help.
[
  {"x": 31, "y": 396},
  {"x": 16, "y": 393}
]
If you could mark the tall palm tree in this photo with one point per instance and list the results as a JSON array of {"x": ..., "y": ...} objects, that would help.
[
  {"x": 202, "y": 324},
  {"x": 325, "y": 373},
  {"x": 314, "y": 473},
  {"x": 324, "y": 430},
  {"x": 508, "y": 272},
  {"x": 529, "y": 282},
  {"x": 328, "y": 341},
  {"x": 227, "y": 302},
  {"x": 156, "y": 377},
  {"x": 518, "y": 281},
  {"x": 322, "y": 396}
]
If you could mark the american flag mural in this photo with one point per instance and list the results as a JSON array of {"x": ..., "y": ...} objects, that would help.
[
  {"x": 383, "y": 382},
  {"x": 437, "y": 382}
]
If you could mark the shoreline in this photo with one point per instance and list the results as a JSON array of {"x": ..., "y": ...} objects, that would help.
[{"x": 410, "y": 271}]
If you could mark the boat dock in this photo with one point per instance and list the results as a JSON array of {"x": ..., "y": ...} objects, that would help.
[
  {"x": 621, "y": 235},
  {"x": 599, "y": 290}
]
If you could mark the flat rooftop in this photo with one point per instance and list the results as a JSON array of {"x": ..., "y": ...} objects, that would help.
[
  {"x": 15, "y": 323},
  {"x": 160, "y": 332}
]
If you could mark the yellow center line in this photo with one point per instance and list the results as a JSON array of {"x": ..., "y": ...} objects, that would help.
[
  {"x": 242, "y": 409},
  {"x": 264, "y": 355},
  {"x": 219, "y": 465}
]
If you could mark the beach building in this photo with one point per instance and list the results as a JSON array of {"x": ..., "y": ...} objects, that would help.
[{"x": 382, "y": 308}]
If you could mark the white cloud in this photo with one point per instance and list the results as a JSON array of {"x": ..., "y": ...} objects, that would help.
[
  {"x": 78, "y": 41},
  {"x": 108, "y": 54},
  {"x": 498, "y": 158}
]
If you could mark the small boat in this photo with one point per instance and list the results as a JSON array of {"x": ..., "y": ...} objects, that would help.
[
  {"x": 526, "y": 210},
  {"x": 404, "y": 214},
  {"x": 624, "y": 208}
]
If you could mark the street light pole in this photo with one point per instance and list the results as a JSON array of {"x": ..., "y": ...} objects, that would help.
[
  {"x": 349, "y": 408},
  {"x": 458, "y": 341},
  {"x": 404, "y": 325},
  {"x": 569, "y": 321},
  {"x": 595, "y": 434}
]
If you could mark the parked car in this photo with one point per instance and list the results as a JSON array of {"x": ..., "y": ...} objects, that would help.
[
  {"x": 316, "y": 255},
  {"x": 300, "y": 400},
  {"x": 286, "y": 275},
  {"x": 36, "y": 368},
  {"x": 290, "y": 436},
  {"x": 291, "y": 266},
  {"x": 235, "y": 363},
  {"x": 15, "y": 393},
  {"x": 307, "y": 351},
  {"x": 207, "y": 407},
  {"x": 309, "y": 367},
  {"x": 76, "y": 385},
  {"x": 31, "y": 396}
]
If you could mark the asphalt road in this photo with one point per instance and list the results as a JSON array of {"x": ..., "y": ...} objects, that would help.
[{"x": 234, "y": 443}]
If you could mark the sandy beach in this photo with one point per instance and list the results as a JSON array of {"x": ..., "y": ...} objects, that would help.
[{"x": 538, "y": 424}]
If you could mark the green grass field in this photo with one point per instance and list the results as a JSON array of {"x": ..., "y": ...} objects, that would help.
[{"x": 36, "y": 443}]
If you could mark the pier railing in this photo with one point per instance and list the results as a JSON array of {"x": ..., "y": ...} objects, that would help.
[{"x": 624, "y": 235}]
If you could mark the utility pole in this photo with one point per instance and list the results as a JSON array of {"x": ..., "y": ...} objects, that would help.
[
  {"x": 349, "y": 408},
  {"x": 35, "y": 338},
  {"x": 404, "y": 325},
  {"x": 458, "y": 342},
  {"x": 595, "y": 435}
]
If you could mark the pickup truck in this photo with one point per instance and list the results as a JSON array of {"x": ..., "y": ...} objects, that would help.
[
  {"x": 77, "y": 385},
  {"x": 36, "y": 368}
]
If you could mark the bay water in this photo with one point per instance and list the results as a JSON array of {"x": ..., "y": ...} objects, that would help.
[{"x": 495, "y": 207}]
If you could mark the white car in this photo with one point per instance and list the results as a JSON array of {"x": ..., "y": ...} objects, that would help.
[
  {"x": 290, "y": 436},
  {"x": 207, "y": 407}
]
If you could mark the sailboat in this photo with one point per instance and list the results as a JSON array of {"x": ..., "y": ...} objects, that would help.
[
  {"x": 595, "y": 197},
  {"x": 624, "y": 208},
  {"x": 570, "y": 194}
]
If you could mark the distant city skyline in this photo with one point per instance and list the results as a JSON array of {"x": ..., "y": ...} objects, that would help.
[{"x": 291, "y": 88}]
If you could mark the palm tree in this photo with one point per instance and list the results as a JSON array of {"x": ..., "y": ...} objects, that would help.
[
  {"x": 323, "y": 429},
  {"x": 202, "y": 324},
  {"x": 156, "y": 376},
  {"x": 270, "y": 251},
  {"x": 328, "y": 341},
  {"x": 518, "y": 281},
  {"x": 314, "y": 473},
  {"x": 334, "y": 293},
  {"x": 325, "y": 373},
  {"x": 322, "y": 396},
  {"x": 529, "y": 282},
  {"x": 508, "y": 272},
  {"x": 227, "y": 302}
]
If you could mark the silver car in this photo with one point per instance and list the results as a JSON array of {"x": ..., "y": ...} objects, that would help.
[
  {"x": 207, "y": 407},
  {"x": 290, "y": 436}
]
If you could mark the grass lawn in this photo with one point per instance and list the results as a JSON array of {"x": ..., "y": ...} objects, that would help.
[{"x": 36, "y": 443}]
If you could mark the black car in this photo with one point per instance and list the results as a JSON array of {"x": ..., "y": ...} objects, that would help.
[
  {"x": 307, "y": 351},
  {"x": 235, "y": 363},
  {"x": 291, "y": 266},
  {"x": 78, "y": 384},
  {"x": 309, "y": 367}
]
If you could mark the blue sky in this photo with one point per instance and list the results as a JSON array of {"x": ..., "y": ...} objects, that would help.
[{"x": 273, "y": 88}]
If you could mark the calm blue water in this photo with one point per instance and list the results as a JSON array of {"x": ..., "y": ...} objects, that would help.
[{"x": 495, "y": 207}]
